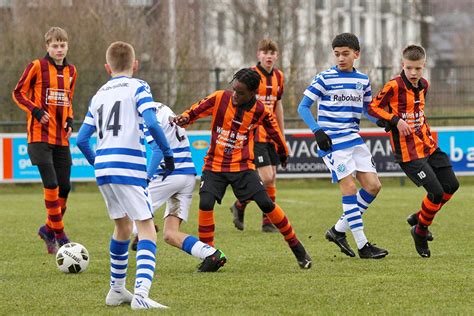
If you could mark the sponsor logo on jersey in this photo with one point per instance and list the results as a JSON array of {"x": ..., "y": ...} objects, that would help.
[{"x": 350, "y": 97}]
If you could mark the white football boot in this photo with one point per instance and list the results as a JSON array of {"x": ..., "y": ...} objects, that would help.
[
  {"x": 140, "y": 302},
  {"x": 115, "y": 298}
]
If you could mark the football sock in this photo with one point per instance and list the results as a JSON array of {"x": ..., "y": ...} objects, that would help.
[
  {"x": 354, "y": 219},
  {"x": 62, "y": 204},
  {"x": 206, "y": 227},
  {"x": 146, "y": 250},
  {"x": 118, "y": 263},
  {"x": 55, "y": 219},
  {"x": 272, "y": 194},
  {"x": 364, "y": 199},
  {"x": 427, "y": 212},
  {"x": 197, "y": 248},
  {"x": 445, "y": 199},
  {"x": 279, "y": 219}
]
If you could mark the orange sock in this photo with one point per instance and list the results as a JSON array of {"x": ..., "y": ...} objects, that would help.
[
  {"x": 62, "y": 204},
  {"x": 55, "y": 219},
  {"x": 206, "y": 227},
  {"x": 278, "y": 218},
  {"x": 427, "y": 212},
  {"x": 271, "y": 191},
  {"x": 446, "y": 198}
]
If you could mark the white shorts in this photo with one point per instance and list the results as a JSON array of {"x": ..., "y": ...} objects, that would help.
[
  {"x": 123, "y": 200},
  {"x": 347, "y": 161},
  {"x": 176, "y": 191}
]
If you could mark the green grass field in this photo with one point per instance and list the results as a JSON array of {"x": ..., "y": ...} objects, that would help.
[{"x": 261, "y": 275}]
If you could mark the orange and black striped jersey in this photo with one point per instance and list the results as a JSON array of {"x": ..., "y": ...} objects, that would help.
[
  {"x": 400, "y": 98},
  {"x": 270, "y": 91},
  {"x": 49, "y": 87},
  {"x": 233, "y": 129}
]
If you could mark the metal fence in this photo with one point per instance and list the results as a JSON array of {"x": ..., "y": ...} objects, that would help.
[{"x": 450, "y": 100}]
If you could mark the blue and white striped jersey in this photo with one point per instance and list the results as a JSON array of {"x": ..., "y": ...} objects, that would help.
[
  {"x": 342, "y": 98},
  {"x": 116, "y": 112},
  {"x": 177, "y": 139}
]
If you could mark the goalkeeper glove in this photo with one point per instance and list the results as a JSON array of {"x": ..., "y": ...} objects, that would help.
[
  {"x": 168, "y": 167},
  {"x": 323, "y": 140}
]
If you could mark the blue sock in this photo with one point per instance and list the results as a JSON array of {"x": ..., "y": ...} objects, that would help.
[
  {"x": 118, "y": 263},
  {"x": 146, "y": 251},
  {"x": 197, "y": 248},
  {"x": 364, "y": 198}
]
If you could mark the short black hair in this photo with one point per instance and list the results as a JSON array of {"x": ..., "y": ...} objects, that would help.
[
  {"x": 249, "y": 77},
  {"x": 346, "y": 40}
]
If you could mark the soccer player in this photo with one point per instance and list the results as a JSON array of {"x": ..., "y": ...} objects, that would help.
[
  {"x": 117, "y": 112},
  {"x": 176, "y": 189},
  {"x": 45, "y": 92},
  {"x": 270, "y": 92},
  {"x": 343, "y": 94},
  {"x": 400, "y": 108},
  {"x": 229, "y": 160}
]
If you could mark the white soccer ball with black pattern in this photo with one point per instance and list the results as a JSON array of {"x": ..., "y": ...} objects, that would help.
[{"x": 72, "y": 258}]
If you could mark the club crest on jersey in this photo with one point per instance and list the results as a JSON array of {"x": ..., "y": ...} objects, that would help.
[
  {"x": 341, "y": 168},
  {"x": 359, "y": 86}
]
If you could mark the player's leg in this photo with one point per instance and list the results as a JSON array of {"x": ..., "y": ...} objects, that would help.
[
  {"x": 212, "y": 189},
  {"x": 118, "y": 248},
  {"x": 263, "y": 161},
  {"x": 422, "y": 174},
  {"x": 247, "y": 185},
  {"x": 136, "y": 202},
  {"x": 41, "y": 155},
  {"x": 268, "y": 176},
  {"x": 62, "y": 164}
]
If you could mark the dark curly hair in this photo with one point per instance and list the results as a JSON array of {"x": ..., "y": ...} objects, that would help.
[{"x": 248, "y": 77}]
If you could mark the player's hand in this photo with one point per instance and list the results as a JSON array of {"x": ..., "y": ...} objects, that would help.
[
  {"x": 168, "y": 167},
  {"x": 404, "y": 128},
  {"x": 68, "y": 127},
  {"x": 41, "y": 115},
  {"x": 323, "y": 140},
  {"x": 283, "y": 160},
  {"x": 181, "y": 120},
  {"x": 384, "y": 124}
]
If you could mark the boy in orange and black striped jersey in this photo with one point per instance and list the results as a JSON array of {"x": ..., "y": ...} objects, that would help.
[
  {"x": 229, "y": 160},
  {"x": 412, "y": 143},
  {"x": 45, "y": 92},
  {"x": 270, "y": 92}
]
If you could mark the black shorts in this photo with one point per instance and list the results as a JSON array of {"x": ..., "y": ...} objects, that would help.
[
  {"x": 422, "y": 171},
  {"x": 44, "y": 154},
  {"x": 265, "y": 155},
  {"x": 244, "y": 184}
]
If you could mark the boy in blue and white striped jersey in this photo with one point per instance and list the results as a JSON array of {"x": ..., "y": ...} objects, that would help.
[
  {"x": 343, "y": 94},
  {"x": 176, "y": 190},
  {"x": 119, "y": 112}
]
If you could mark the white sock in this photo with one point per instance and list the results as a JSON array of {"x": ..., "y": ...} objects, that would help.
[
  {"x": 197, "y": 248},
  {"x": 354, "y": 218}
]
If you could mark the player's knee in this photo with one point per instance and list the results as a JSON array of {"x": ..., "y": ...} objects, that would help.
[
  {"x": 451, "y": 187},
  {"x": 206, "y": 201},
  {"x": 374, "y": 188},
  {"x": 64, "y": 190},
  {"x": 50, "y": 184},
  {"x": 264, "y": 202}
]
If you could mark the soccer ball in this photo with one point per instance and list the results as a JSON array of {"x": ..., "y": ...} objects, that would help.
[{"x": 72, "y": 258}]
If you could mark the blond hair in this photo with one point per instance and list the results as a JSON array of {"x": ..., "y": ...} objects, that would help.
[
  {"x": 120, "y": 56},
  {"x": 267, "y": 44},
  {"x": 55, "y": 33},
  {"x": 414, "y": 52}
]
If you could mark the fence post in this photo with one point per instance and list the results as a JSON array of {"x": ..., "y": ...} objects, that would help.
[{"x": 217, "y": 73}]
